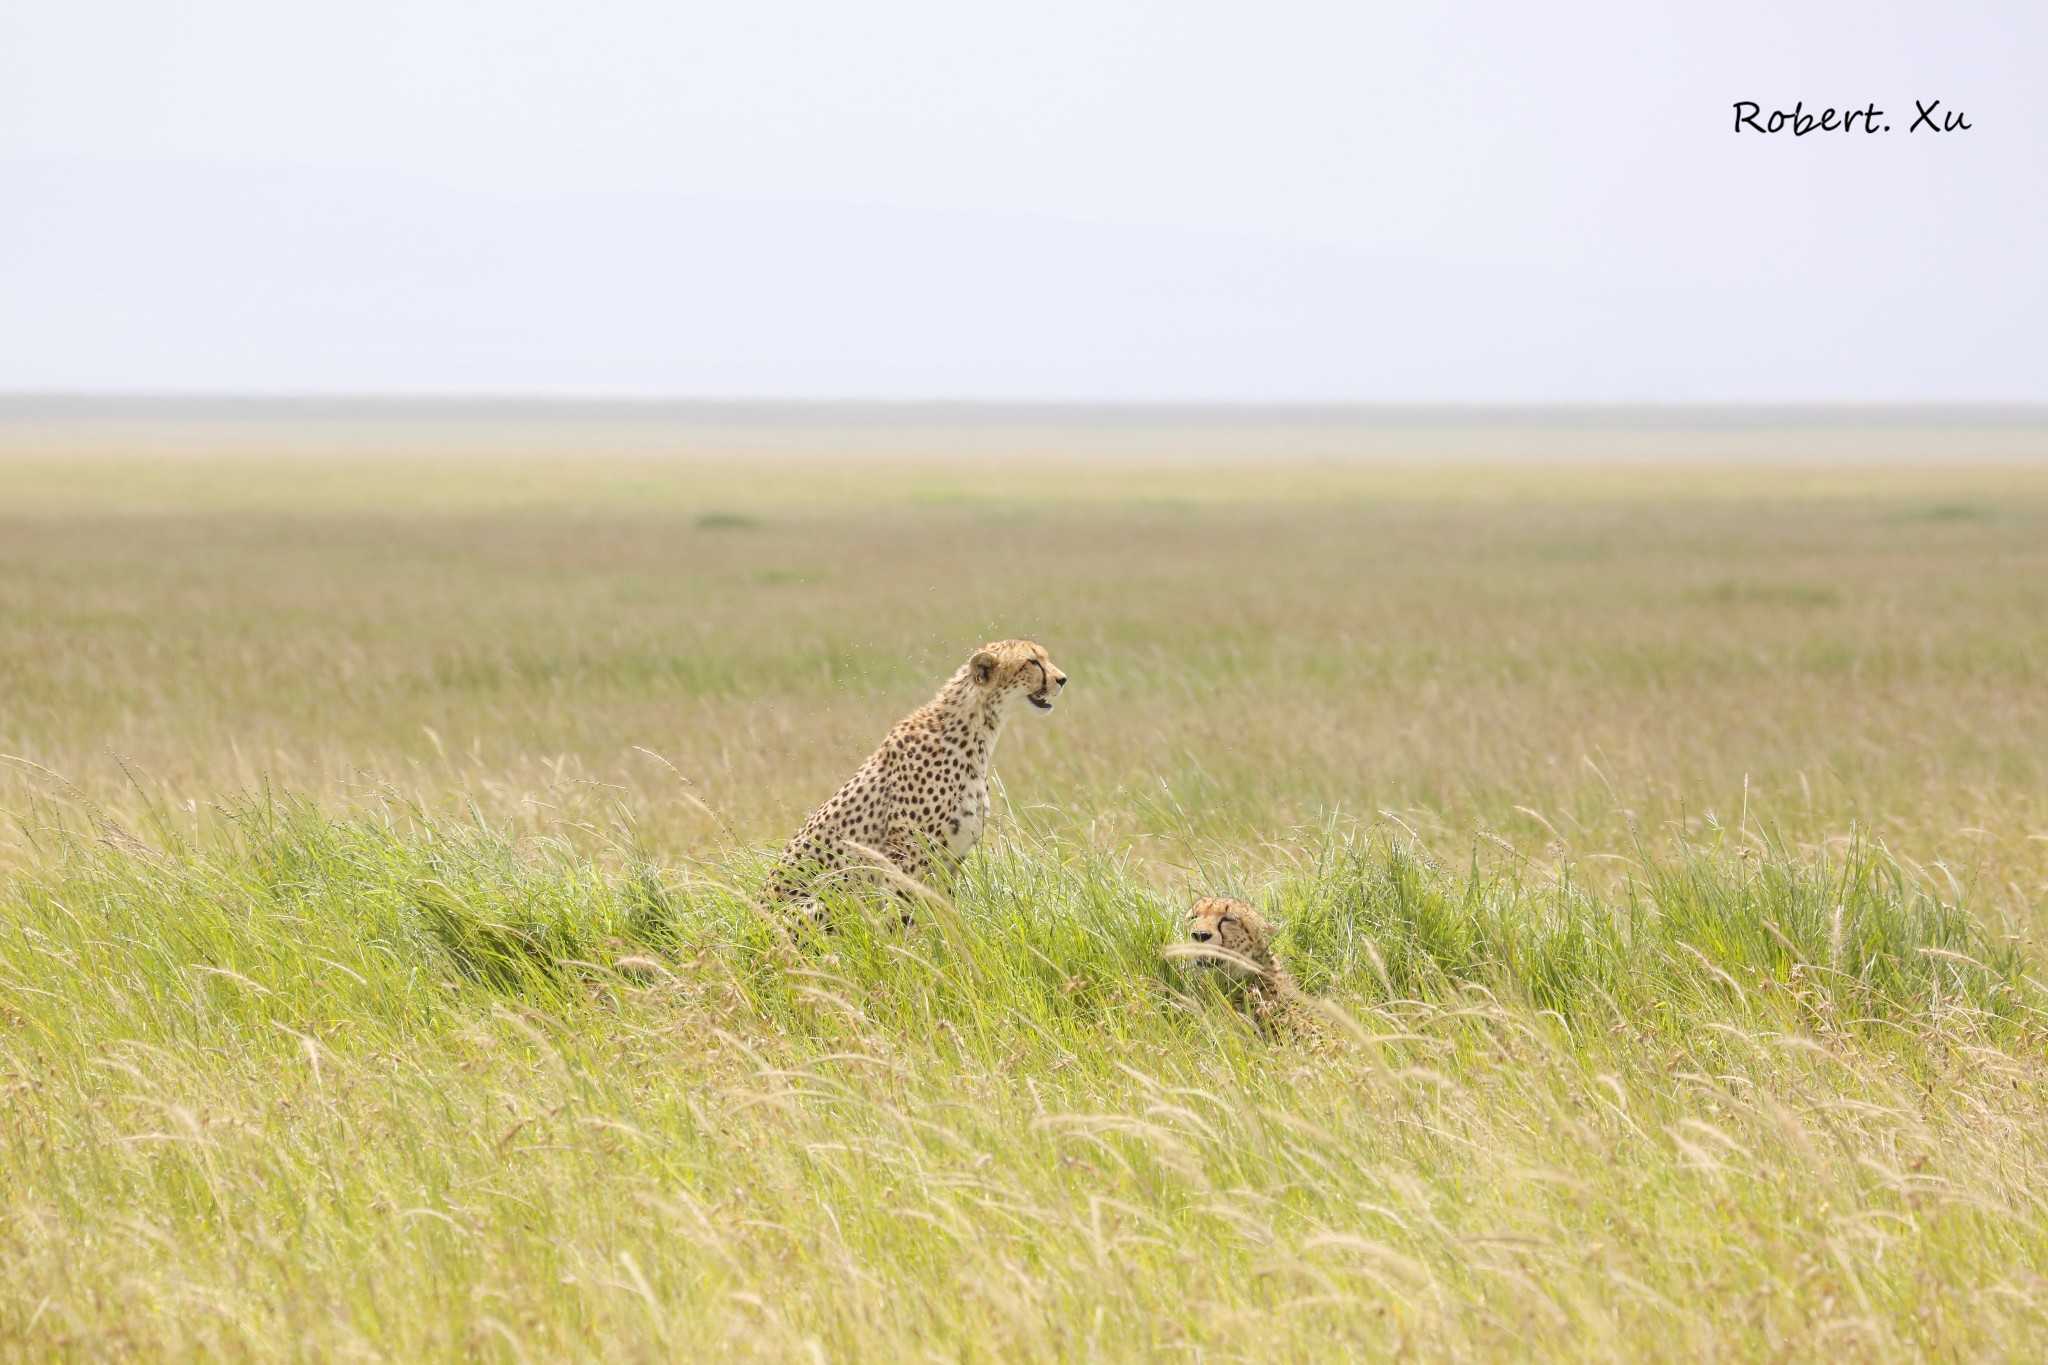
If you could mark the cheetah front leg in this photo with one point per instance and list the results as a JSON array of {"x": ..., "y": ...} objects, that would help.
[{"x": 910, "y": 853}]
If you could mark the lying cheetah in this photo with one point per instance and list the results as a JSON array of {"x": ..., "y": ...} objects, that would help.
[
  {"x": 1234, "y": 944},
  {"x": 1234, "y": 941},
  {"x": 921, "y": 800}
]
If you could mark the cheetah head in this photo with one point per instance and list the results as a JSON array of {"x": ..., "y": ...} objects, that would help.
[
  {"x": 1228, "y": 935},
  {"x": 1010, "y": 671}
]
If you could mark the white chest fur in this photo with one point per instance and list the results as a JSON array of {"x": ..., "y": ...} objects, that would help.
[
  {"x": 969, "y": 817},
  {"x": 964, "y": 823}
]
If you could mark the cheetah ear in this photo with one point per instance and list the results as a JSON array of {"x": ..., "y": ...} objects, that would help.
[{"x": 982, "y": 665}]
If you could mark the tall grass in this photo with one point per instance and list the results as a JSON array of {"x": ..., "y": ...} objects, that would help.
[
  {"x": 1660, "y": 849},
  {"x": 387, "y": 1085}
]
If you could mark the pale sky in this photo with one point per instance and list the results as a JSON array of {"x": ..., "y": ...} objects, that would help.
[{"x": 1487, "y": 202}]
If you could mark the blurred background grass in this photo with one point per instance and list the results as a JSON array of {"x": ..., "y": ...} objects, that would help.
[{"x": 1560, "y": 649}]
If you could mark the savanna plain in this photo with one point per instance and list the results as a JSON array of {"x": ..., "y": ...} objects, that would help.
[{"x": 1658, "y": 824}]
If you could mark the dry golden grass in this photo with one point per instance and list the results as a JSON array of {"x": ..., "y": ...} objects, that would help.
[{"x": 1568, "y": 652}]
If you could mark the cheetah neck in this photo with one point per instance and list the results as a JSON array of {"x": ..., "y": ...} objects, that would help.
[{"x": 974, "y": 720}]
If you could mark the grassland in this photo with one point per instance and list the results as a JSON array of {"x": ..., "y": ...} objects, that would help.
[{"x": 378, "y": 979}]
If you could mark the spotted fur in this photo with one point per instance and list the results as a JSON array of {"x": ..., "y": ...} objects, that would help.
[{"x": 920, "y": 802}]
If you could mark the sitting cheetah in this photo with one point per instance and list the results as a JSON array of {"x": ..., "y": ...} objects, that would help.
[{"x": 922, "y": 798}]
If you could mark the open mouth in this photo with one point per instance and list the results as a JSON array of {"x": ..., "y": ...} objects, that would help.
[{"x": 1040, "y": 702}]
